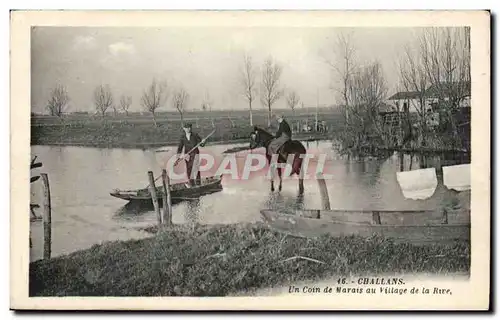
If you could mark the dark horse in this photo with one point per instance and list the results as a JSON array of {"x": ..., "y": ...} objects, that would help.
[{"x": 262, "y": 138}]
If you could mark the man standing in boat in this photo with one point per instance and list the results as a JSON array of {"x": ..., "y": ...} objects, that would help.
[
  {"x": 188, "y": 141},
  {"x": 283, "y": 135}
]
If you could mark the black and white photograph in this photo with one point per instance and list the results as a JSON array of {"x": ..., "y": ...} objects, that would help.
[{"x": 232, "y": 155}]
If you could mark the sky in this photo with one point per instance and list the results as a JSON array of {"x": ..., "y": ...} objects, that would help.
[{"x": 202, "y": 60}]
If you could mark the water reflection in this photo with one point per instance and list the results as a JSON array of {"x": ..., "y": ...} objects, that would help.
[
  {"x": 132, "y": 209},
  {"x": 285, "y": 200}
]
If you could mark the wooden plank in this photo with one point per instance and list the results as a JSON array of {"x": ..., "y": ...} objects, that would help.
[
  {"x": 35, "y": 165},
  {"x": 325, "y": 199},
  {"x": 370, "y": 212},
  {"x": 47, "y": 217},
  {"x": 387, "y": 217},
  {"x": 416, "y": 234},
  {"x": 154, "y": 196}
]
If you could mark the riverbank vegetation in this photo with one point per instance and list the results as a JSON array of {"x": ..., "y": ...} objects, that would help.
[
  {"x": 230, "y": 259},
  {"x": 138, "y": 131},
  {"x": 431, "y": 110}
]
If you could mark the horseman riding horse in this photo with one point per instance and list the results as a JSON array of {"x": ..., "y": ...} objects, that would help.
[{"x": 283, "y": 146}]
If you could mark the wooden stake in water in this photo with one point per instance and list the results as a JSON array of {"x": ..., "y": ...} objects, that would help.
[
  {"x": 47, "y": 217},
  {"x": 167, "y": 199},
  {"x": 444, "y": 218},
  {"x": 154, "y": 196},
  {"x": 376, "y": 217},
  {"x": 325, "y": 199},
  {"x": 164, "y": 198}
]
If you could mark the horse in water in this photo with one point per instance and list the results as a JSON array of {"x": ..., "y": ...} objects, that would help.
[{"x": 261, "y": 138}]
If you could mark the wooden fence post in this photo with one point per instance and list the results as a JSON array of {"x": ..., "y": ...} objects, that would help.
[
  {"x": 47, "y": 217},
  {"x": 325, "y": 199},
  {"x": 444, "y": 218},
  {"x": 376, "y": 217},
  {"x": 164, "y": 198},
  {"x": 154, "y": 196},
  {"x": 167, "y": 199}
]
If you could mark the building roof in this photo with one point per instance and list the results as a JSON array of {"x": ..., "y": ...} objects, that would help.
[
  {"x": 433, "y": 90},
  {"x": 404, "y": 95}
]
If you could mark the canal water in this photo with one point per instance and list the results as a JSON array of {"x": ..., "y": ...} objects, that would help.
[{"x": 84, "y": 213}]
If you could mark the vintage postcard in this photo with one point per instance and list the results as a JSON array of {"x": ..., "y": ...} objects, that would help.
[{"x": 250, "y": 160}]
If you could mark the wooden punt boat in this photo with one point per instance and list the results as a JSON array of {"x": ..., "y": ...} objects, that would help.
[
  {"x": 417, "y": 227},
  {"x": 178, "y": 191}
]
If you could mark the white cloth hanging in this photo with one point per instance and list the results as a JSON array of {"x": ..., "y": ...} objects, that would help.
[
  {"x": 417, "y": 184},
  {"x": 457, "y": 177}
]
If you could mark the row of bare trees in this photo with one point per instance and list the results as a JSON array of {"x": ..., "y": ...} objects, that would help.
[
  {"x": 270, "y": 88},
  {"x": 154, "y": 97},
  {"x": 103, "y": 100}
]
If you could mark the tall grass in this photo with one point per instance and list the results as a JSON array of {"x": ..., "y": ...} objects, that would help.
[{"x": 226, "y": 260}]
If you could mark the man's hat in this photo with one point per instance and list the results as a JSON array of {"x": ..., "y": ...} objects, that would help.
[{"x": 188, "y": 125}]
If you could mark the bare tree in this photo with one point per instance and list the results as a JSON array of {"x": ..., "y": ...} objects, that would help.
[
  {"x": 180, "y": 100},
  {"x": 369, "y": 89},
  {"x": 154, "y": 97},
  {"x": 437, "y": 67},
  {"x": 206, "y": 105},
  {"x": 446, "y": 60},
  {"x": 248, "y": 75},
  {"x": 414, "y": 79},
  {"x": 292, "y": 100},
  {"x": 125, "y": 103},
  {"x": 103, "y": 99},
  {"x": 270, "y": 92},
  {"x": 366, "y": 92},
  {"x": 58, "y": 101},
  {"x": 344, "y": 65},
  {"x": 115, "y": 109}
]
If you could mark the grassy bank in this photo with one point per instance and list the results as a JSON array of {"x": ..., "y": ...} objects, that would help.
[
  {"x": 139, "y": 131},
  {"x": 130, "y": 136},
  {"x": 225, "y": 260}
]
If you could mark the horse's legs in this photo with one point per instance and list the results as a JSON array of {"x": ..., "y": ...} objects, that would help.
[
  {"x": 281, "y": 179},
  {"x": 298, "y": 167},
  {"x": 301, "y": 185},
  {"x": 272, "y": 173}
]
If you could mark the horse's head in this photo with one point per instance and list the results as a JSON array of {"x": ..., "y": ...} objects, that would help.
[
  {"x": 255, "y": 140},
  {"x": 259, "y": 137}
]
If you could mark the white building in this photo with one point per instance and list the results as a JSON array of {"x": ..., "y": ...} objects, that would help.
[{"x": 432, "y": 95}]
